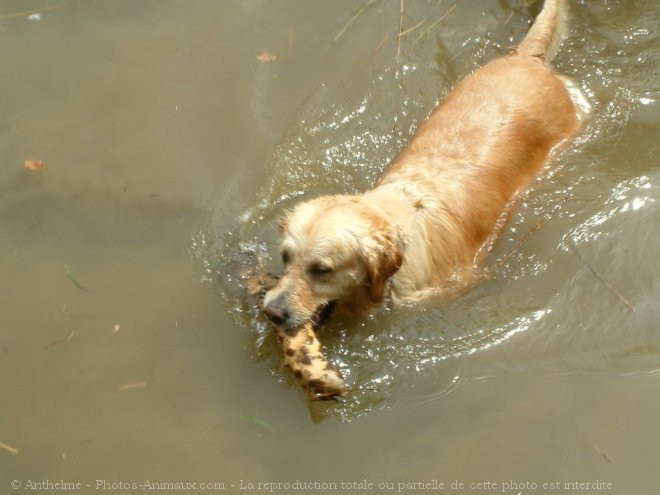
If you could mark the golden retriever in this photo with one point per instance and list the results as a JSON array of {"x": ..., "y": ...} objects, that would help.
[{"x": 422, "y": 229}]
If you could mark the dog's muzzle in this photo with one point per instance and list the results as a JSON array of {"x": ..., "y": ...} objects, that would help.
[{"x": 278, "y": 312}]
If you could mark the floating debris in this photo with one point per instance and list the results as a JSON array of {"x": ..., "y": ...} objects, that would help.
[
  {"x": 267, "y": 57},
  {"x": 607, "y": 285},
  {"x": 9, "y": 448},
  {"x": 34, "y": 165},
  {"x": 604, "y": 454},
  {"x": 131, "y": 386},
  {"x": 258, "y": 421}
]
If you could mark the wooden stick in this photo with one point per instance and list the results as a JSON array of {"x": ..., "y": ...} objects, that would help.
[
  {"x": 382, "y": 42},
  {"x": 609, "y": 286},
  {"x": 411, "y": 29},
  {"x": 301, "y": 349},
  {"x": 350, "y": 21},
  {"x": 435, "y": 23},
  {"x": 520, "y": 242}
]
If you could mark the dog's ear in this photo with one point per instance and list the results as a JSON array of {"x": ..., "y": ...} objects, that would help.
[{"x": 382, "y": 253}]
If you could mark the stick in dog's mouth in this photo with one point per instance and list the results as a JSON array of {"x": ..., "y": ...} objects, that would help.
[
  {"x": 301, "y": 347},
  {"x": 303, "y": 355}
]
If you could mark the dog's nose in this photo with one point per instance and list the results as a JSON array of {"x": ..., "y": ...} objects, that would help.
[{"x": 277, "y": 312}]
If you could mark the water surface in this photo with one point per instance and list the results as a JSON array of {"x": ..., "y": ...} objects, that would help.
[{"x": 171, "y": 150}]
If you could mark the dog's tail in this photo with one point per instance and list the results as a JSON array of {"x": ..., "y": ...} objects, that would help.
[{"x": 544, "y": 36}]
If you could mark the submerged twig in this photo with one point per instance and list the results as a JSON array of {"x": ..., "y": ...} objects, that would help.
[
  {"x": 398, "y": 38},
  {"x": 573, "y": 248},
  {"x": 399, "y": 35},
  {"x": 62, "y": 341},
  {"x": 520, "y": 242},
  {"x": 605, "y": 455},
  {"x": 357, "y": 14},
  {"x": 434, "y": 24},
  {"x": 411, "y": 29},
  {"x": 258, "y": 421},
  {"x": 508, "y": 18},
  {"x": 73, "y": 279},
  {"x": 382, "y": 42}
]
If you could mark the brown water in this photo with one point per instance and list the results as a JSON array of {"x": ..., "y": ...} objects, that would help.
[{"x": 171, "y": 150}]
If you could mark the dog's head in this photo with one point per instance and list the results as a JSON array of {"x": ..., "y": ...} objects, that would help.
[{"x": 336, "y": 251}]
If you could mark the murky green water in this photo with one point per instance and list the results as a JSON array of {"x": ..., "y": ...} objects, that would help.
[{"x": 128, "y": 351}]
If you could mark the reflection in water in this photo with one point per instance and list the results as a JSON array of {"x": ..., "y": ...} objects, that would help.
[{"x": 341, "y": 145}]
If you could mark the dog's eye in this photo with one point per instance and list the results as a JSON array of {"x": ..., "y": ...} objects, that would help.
[
  {"x": 286, "y": 257},
  {"x": 319, "y": 269}
]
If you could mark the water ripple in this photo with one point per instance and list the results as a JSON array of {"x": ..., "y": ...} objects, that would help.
[{"x": 342, "y": 142}]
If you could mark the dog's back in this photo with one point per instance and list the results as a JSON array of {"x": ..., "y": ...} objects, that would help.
[
  {"x": 421, "y": 230},
  {"x": 485, "y": 142}
]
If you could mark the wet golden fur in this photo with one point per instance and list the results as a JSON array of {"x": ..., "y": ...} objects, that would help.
[{"x": 421, "y": 230}]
